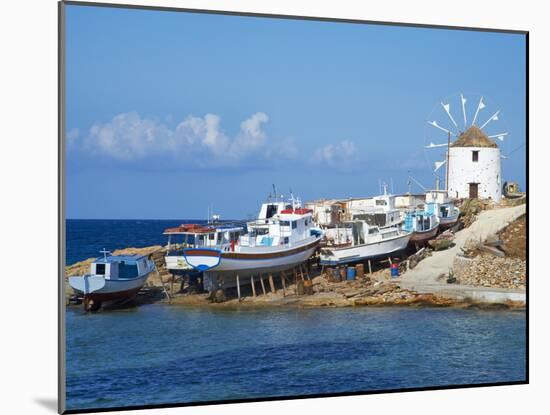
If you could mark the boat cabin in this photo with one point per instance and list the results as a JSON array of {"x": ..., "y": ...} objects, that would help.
[
  {"x": 359, "y": 232},
  {"x": 285, "y": 228},
  {"x": 270, "y": 209},
  {"x": 121, "y": 267},
  {"x": 420, "y": 221},
  {"x": 377, "y": 211},
  {"x": 222, "y": 237}
]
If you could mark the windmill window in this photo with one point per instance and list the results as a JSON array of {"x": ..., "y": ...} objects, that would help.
[{"x": 475, "y": 156}]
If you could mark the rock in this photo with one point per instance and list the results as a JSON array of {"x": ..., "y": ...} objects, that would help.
[
  {"x": 491, "y": 271},
  {"x": 218, "y": 296},
  {"x": 440, "y": 244},
  {"x": 300, "y": 287}
]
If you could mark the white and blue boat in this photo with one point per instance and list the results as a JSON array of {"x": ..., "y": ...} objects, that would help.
[
  {"x": 282, "y": 237},
  {"x": 438, "y": 203},
  {"x": 113, "y": 277},
  {"x": 357, "y": 241},
  {"x": 422, "y": 224}
]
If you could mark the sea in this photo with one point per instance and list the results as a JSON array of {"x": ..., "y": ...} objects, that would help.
[
  {"x": 86, "y": 237},
  {"x": 162, "y": 354}
]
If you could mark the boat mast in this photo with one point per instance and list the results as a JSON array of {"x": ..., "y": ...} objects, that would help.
[{"x": 104, "y": 252}]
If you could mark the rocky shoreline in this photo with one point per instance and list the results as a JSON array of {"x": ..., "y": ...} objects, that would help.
[
  {"x": 496, "y": 262},
  {"x": 373, "y": 290}
]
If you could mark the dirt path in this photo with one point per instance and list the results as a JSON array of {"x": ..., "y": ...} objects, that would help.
[{"x": 424, "y": 277}]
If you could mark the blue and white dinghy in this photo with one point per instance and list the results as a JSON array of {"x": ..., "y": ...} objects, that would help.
[{"x": 113, "y": 278}]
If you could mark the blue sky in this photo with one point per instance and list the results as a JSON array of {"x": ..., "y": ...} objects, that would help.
[{"x": 170, "y": 113}]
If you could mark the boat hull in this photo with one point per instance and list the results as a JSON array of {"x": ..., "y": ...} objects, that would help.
[
  {"x": 445, "y": 223},
  {"x": 339, "y": 256},
  {"x": 424, "y": 236},
  {"x": 90, "y": 286},
  {"x": 247, "y": 264}
]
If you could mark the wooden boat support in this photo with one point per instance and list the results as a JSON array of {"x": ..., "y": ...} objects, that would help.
[
  {"x": 163, "y": 285},
  {"x": 283, "y": 281},
  {"x": 253, "y": 286},
  {"x": 280, "y": 283},
  {"x": 262, "y": 282},
  {"x": 272, "y": 284}
]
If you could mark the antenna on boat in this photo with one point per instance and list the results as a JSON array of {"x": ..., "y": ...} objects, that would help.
[
  {"x": 385, "y": 186},
  {"x": 274, "y": 191},
  {"x": 391, "y": 185},
  {"x": 104, "y": 252}
]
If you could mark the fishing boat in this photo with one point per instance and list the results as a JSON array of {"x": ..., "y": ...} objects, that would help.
[
  {"x": 113, "y": 277},
  {"x": 358, "y": 241},
  {"x": 422, "y": 224},
  {"x": 438, "y": 203},
  {"x": 212, "y": 235},
  {"x": 282, "y": 237}
]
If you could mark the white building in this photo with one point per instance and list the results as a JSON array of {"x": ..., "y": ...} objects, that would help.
[{"x": 474, "y": 167}]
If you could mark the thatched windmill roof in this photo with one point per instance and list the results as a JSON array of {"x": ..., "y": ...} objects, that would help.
[{"x": 474, "y": 137}]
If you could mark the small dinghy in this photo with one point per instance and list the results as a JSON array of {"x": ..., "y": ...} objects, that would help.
[{"x": 112, "y": 278}]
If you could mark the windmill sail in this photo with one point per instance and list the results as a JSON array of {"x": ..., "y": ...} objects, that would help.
[
  {"x": 493, "y": 117},
  {"x": 480, "y": 106},
  {"x": 499, "y": 136},
  {"x": 438, "y": 164},
  {"x": 436, "y": 125},
  {"x": 447, "y": 108},
  {"x": 432, "y": 145},
  {"x": 463, "y": 100}
]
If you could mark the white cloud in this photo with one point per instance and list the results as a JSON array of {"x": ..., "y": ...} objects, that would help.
[
  {"x": 195, "y": 140},
  {"x": 251, "y": 136},
  {"x": 72, "y": 136},
  {"x": 341, "y": 156}
]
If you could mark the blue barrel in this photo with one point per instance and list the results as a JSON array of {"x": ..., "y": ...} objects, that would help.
[
  {"x": 395, "y": 270},
  {"x": 351, "y": 273}
]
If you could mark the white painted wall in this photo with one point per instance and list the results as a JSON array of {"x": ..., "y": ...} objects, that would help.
[{"x": 486, "y": 172}]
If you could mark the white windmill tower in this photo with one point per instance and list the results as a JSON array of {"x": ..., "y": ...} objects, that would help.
[{"x": 473, "y": 159}]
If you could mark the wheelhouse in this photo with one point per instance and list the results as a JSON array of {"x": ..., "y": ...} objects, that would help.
[{"x": 222, "y": 237}]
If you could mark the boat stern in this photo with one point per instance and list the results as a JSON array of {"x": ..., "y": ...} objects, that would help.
[{"x": 202, "y": 259}]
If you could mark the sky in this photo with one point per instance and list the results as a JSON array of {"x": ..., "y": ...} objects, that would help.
[{"x": 171, "y": 114}]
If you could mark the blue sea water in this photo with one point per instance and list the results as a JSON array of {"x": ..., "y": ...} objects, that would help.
[
  {"x": 86, "y": 237},
  {"x": 158, "y": 354}
]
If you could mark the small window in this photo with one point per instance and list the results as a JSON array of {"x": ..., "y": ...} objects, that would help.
[
  {"x": 285, "y": 240},
  {"x": 285, "y": 223},
  {"x": 211, "y": 236},
  {"x": 100, "y": 269},
  {"x": 380, "y": 203},
  {"x": 475, "y": 156},
  {"x": 294, "y": 224}
]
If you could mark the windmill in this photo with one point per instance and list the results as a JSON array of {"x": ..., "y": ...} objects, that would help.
[{"x": 472, "y": 156}]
